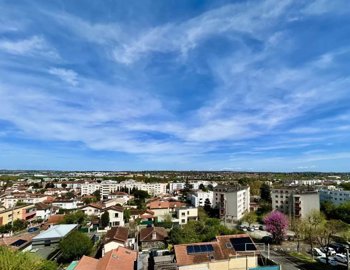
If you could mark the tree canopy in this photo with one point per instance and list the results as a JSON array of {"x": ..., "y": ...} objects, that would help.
[
  {"x": 105, "y": 219},
  {"x": 276, "y": 224},
  {"x": 199, "y": 231},
  {"x": 16, "y": 260},
  {"x": 75, "y": 245}
]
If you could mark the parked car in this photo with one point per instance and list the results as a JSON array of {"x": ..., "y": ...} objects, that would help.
[
  {"x": 251, "y": 229},
  {"x": 328, "y": 250},
  {"x": 317, "y": 252},
  {"x": 340, "y": 258},
  {"x": 338, "y": 247},
  {"x": 331, "y": 261},
  {"x": 33, "y": 229},
  {"x": 262, "y": 227}
]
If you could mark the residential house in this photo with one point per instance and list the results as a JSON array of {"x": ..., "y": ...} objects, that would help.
[
  {"x": 116, "y": 259},
  {"x": 114, "y": 238},
  {"x": 227, "y": 252},
  {"x": 65, "y": 204},
  {"x": 153, "y": 238},
  {"x": 43, "y": 211}
]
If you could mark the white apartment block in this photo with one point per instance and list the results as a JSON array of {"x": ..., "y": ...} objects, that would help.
[
  {"x": 196, "y": 184},
  {"x": 11, "y": 200},
  {"x": 233, "y": 201},
  {"x": 65, "y": 204},
  {"x": 198, "y": 198},
  {"x": 176, "y": 186},
  {"x": 295, "y": 203},
  {"x": 88, "y": 188},
  {"x": 336, "y": 196},
  {"x": 108, "y": 187}
]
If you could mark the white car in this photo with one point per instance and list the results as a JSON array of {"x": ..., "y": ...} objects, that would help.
[
  {"x": 341, "y": 258},
  {"x": 328, "y": 250},
  {"x": 331, "y": 261},
  {"x": 317, "y": 252}
]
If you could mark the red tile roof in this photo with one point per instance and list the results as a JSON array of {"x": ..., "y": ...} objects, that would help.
[
  {"x": 159, "y": 204},
  {"x": 116, "y": 259},
  {"x": 221, "y": 251},
  {"x": 147, "y": 234},
  {"x": 119, "y": 234}
]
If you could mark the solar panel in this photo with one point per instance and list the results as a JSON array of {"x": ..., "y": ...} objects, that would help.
[
  {"x": 199, "y": 249},
  {"x": 242, "y": 244},
  {"x": 190, "y": 249},
  {"x": 18, "y": 243}
]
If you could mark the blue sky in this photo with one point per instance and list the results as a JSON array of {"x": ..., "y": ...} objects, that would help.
[{"x": 202, "y": 85}]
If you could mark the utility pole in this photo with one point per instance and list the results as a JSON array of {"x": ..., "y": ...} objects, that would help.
[{"x": 347, "y": 259}]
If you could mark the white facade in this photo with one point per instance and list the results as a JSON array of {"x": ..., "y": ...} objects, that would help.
[
  {"x": 176, "y": 186},
  {"x": 65, "y": 204},
  {"x": 116, "y": 218},
  {"x": 89, "y": 188},
  {"x": 10, "y": 200},
  {"x": 43, "y": 214},
  {"x": 233, "y": 201},
  {"x": 335, "y": 196},
  {"x": 186, "y": 214},
  {"x": 108, "y": 187},
  {"x": 198, "y": 198},
  {"x": 196, "y": 184},
  {"x": 295, "y": 203}
]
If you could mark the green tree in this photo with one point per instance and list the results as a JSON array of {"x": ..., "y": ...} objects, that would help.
[
  {"x": 19, "y": 225},
  {"x": 16, "y": 260},
  {"x": 77, "y": 217},
  {"x": 250, "y": 218},
  {"x": 207, "y": 206},
  {"x": 265, "y": 192},
  {"x": 105, "y": 219},
  {"x": 75, "y": 245},
  {"x": 127, "y": 215},
  {"x": 97, "y": 194},
  {"x": 313, "y": 223}
]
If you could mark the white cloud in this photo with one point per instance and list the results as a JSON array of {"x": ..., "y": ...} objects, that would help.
[
  {"x": 34, "y": 45},
  {"x": 67, "y": 75}
]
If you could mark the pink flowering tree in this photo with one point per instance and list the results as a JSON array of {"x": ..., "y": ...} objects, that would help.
[{"x": 276, "y": 224}]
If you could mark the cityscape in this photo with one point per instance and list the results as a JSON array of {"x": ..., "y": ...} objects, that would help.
[{"x": 175, "y": 135}]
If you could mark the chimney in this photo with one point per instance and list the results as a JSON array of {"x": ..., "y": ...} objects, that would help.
[{"x": 154, "y": 235}]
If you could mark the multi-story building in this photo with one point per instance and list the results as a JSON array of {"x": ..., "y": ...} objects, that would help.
[
  {"x": 335, "y": 196},
  {"x": 186, "y": 214},
  {"x": 232, "y": 201},
  {"x": 176, "y": 186},
  {"x": 65, "y": 204},
  {"x": 108, "y": 187},
  {"x": 10, "y": 201},
  {"x": 88, "y": 188},
  {"x": 198, "y": 198},
  {"x": 295, "y": 203},
  {"x": 24, "y": 212}
]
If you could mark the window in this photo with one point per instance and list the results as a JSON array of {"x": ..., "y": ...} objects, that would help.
[
  {"x": 183, "y": 220},
  {"x": 116, "y": 215}
]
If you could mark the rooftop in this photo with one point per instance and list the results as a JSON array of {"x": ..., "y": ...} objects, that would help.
[{"x": 57, "y": 231}]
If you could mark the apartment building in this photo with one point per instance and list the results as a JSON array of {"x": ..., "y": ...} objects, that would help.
[
  {"x": 232, "y": 201},
  {"x": 65, "y": 204},
  {"x": 10, "y": 201},
  {"x": 296, "y": 203},
  {"x": 88, "y": 188},
  {"x": 184, "y": 215},
  {"x": 24, "y": 212},
  {"x": 108, "y": 187},
  {"x": 198, "y": 198},
  {"x": 335, "y": 196},
  {"x": 175, "y": 186}
]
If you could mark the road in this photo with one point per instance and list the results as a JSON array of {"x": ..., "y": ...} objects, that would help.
[{"x": 287, "y": 262}]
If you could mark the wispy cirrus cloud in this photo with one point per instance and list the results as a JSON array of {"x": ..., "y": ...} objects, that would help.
[
  {"x": 229, "y": 85},
  {"x": 34, "y": 45},
  {"x": 67, "y": 75}
]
